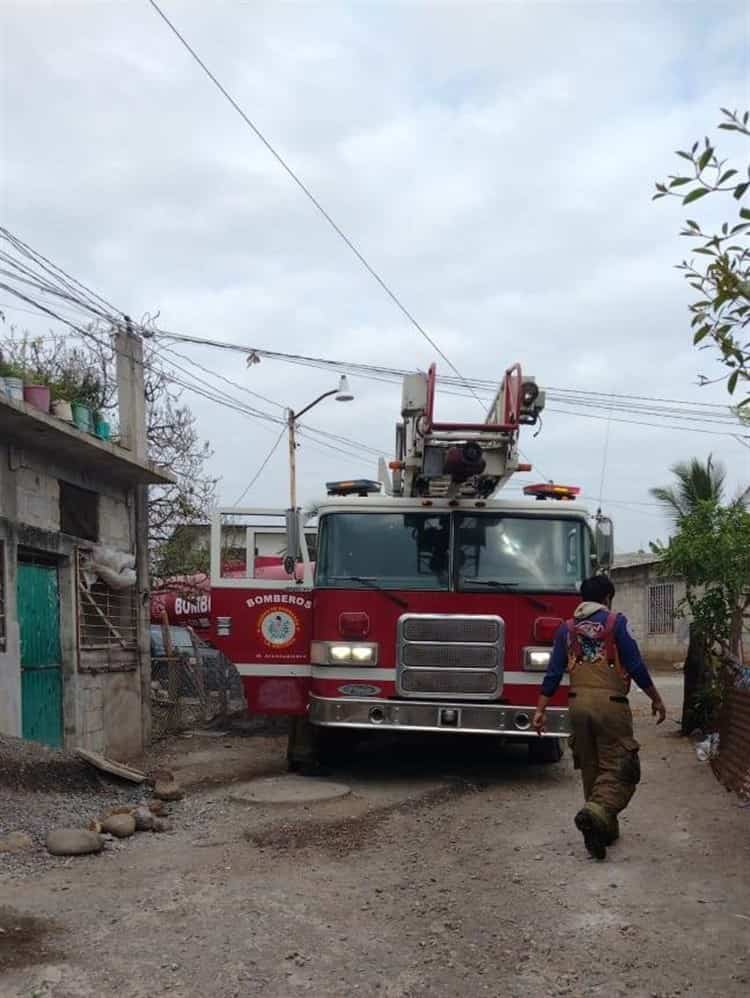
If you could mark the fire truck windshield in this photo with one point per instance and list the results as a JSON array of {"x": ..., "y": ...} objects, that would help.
[
  {"x": 398, "y": 550},
  {"x": 442, "y": 551},
  {"x": 529, "y": 552}
]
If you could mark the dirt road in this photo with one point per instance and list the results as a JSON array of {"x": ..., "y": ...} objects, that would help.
[{"x": 435, "y": 877}]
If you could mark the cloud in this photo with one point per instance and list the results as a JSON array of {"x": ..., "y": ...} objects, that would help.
[{"x": 494, "y": 163}]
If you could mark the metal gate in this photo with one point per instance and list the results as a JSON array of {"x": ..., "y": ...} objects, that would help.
[{"x": 41, "y": 659}]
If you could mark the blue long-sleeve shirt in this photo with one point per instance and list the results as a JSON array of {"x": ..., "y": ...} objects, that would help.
[{"x": 627, "y": 647}]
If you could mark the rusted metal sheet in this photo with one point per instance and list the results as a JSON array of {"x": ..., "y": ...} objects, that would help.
[{"x": 733, "y": 763}]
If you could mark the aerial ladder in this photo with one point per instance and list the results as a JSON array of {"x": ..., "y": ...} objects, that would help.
[{"x": 436, "y": 459}]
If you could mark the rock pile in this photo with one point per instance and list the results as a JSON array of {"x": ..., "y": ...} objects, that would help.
[{"x": 117, "y": 823}]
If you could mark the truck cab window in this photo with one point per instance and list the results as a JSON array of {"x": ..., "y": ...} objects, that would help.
[
  {"x": 396, "y": 550},
  {"x": 525, "y": 552}
]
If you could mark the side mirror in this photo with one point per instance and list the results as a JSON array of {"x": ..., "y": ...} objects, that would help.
[{"x": 604, "y": 543}]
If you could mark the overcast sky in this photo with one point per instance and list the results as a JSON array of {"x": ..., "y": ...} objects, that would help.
[{"x": 495, "y": 162}]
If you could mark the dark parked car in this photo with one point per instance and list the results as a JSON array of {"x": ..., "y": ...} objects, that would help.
[{"x": 198, "y": 656}]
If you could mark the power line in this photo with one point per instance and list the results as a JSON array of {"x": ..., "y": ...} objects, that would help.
[
  {"x": 306, "y": 191},
  {"x": 394, "y": 374},
  {"x": 350, "y": 448},
  {"x": 377, "y": 373},
  {"x": 262, "y": 467},
  {"x": 358, "y": 444},
  {"x": 638, "y": 422},
  {"x": 54, "y": 281}
]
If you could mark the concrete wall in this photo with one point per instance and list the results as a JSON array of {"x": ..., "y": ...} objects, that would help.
[
  {"x": 103, "y": 692},
  {"x": 632, "y": 599}
]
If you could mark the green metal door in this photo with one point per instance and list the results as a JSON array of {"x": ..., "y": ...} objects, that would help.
[{"x": 41, "y": 669}]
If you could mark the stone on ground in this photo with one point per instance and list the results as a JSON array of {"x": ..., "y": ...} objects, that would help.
[
  {"x": 144, "y": 819},
  {"x": 119, "y": 825},
  {"x": 73, "y": 842},
  {"x": 168, "y": 791},
  {"x": 16, "y": 842},
  {"x": 120, "y": 809}
]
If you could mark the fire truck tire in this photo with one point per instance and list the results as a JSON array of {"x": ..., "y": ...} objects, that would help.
[
  {"x": 543, "y": 751},
  {"x": 310, "y": 748},
  {"x": 334, "y": 746}
]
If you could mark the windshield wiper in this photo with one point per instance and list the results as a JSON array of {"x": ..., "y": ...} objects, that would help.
[
  {"x": 506, "y": 587},
  {"x": 367, "y": 580}
]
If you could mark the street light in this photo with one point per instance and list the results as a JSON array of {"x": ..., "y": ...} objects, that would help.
[{"x": 343, "y": 394}]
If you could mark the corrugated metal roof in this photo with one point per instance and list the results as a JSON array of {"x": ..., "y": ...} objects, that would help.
[
  {"x": 733, "y": 765},
  {"x": 635, "y": 558}
]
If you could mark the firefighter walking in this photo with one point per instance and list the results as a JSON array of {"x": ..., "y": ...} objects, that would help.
[{"x": 601, "y": 656}]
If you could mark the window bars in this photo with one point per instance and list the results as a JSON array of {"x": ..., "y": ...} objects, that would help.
[
  {"x": 107, "y": 618},
  {"x": 661, "y": 608}
]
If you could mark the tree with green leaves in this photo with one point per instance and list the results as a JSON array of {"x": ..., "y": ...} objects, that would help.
[
  {"x": 721, "y": 277},
  {"x": 696, "y": 482},
  {"x": 711, "y": 551}
]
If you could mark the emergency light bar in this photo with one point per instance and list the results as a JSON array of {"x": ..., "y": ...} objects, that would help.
[
  {"x": 548, "y": 490},
  {"x": 358, "y": 487}
]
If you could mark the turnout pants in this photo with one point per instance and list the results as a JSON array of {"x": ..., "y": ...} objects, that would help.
[{"x": 605, "y": 751}]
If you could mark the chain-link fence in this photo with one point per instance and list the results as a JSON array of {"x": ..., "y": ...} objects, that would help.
[{"x": 191, "y": 690}]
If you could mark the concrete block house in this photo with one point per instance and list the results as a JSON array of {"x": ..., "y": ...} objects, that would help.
[
  {"x": 649, "y": 600},
  {"x": 74, "y": 642}
]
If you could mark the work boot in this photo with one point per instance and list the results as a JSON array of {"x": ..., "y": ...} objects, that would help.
[{"x": 595, "y": 835}]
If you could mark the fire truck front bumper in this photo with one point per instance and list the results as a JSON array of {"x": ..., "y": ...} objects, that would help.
[{"x": 420, "y": 715}]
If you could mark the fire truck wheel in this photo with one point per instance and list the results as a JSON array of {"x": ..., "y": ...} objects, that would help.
[
  {"x": 334, "y": 746},
  {"x": 545, "y": 750},
  {"x": 311, "y": 749}
]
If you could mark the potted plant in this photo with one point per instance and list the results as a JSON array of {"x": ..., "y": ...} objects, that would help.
[
  {"x": 87, "y": 399},
  {"x": 63, "y": 393},
  {"x": 101, "y": 426},
  {"x": 11, "y": 379},
  {"x": 36, "y": 389}
]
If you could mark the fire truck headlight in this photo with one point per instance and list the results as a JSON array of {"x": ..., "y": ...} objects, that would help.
[
  {"x": 340, "y": 653},
  {"x": 363, "y": 654},
  {"x": 536, "y": 659},
  {"x": 337, "y": 653}
]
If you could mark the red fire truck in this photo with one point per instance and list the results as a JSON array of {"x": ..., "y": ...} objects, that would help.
[{"x": 432, "y": 606}]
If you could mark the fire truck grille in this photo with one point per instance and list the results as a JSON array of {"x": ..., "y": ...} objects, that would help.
[
  {"x": 486, "y": 630},
  {"x": 450, "y": 656},
  {"x": 438, "y": 681},
  {"x": 435, "y": 656}
]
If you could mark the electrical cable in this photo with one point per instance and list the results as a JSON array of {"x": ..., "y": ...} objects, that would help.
[
  {"x": 306, "y": 190},
  {"x": 262, "y": 467}
]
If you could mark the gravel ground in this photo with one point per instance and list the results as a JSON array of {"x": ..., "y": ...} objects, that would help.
[
  {"x": 30, "y": 766},
  {"x": 452, "y": 869},
  {"x": 42, "y": 789}
]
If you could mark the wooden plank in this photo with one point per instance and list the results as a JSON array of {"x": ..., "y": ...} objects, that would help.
[{"x": 111, "y": 766}]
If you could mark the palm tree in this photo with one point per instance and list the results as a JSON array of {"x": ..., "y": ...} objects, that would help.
[{"x": 696, "y": 482}]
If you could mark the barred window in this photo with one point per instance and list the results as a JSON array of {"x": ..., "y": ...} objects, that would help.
[
  {"x": 2, "y": 596},
  {"x": 661, "y": 608},
  {"x": 107, "y": 617}
]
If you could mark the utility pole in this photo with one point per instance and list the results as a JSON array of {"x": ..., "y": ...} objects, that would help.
[
  {"x": 292, "y": 461},
  {"x": 343, "y": 394}
]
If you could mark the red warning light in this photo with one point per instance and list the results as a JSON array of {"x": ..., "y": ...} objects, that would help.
[{"x": 548, "y": 490}]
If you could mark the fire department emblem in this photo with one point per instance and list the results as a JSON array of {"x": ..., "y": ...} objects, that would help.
[{"x": 278, "y": 628}]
